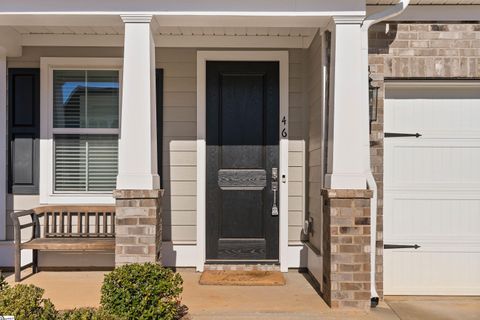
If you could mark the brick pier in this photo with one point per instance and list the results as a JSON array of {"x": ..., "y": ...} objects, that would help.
[
  {"x": 346, "y": 248},
  {"x": 138, "y": 230}
]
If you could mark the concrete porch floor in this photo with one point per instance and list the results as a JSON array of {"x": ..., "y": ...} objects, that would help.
[
  {"x": 297, "y": 300},
  {"x": 435, "y": 307}
]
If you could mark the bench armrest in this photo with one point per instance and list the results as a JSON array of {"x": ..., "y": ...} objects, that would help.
[{"x": 17, "y": 226}]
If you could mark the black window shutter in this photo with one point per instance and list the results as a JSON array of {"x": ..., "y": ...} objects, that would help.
[
  {"x": 23, "y": 130},
  {"x": 159, "y": 93}
]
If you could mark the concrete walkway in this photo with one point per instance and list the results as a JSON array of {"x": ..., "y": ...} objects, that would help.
[
  {"x": 435, "y": 308},
  {"x": 296, "y": 300},
  {"x": 67, "y": 290}
]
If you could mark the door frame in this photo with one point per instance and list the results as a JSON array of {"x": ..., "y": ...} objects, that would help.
[{"x": 272, "y": 56}]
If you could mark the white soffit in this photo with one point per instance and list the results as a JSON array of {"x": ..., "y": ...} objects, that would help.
[
  {"x": 169, "y": 36},
  {"x": 178, "y": 31}
]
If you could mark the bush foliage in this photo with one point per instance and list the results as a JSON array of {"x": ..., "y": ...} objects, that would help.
[
  {"x": 142, "y": 291},
  {"x": 3, "y": 283},
  {"x": 136, "y": 291},
  {"x": 87, "y": 314},
  {"x": 26, "y": 302}
]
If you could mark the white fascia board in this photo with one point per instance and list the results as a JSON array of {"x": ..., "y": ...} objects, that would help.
[
  {"x": 276, "y": 6},
  {"x": 67, "y": 40},
  {"x": 427, "y": 13}
]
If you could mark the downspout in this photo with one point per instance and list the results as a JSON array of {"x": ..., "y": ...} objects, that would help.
[{"x": 367, "y": 23}]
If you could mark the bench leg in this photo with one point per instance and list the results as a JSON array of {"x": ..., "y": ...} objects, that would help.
[
  {"x": 18, "y": 264},
  {"x": 34, "y": 261}
]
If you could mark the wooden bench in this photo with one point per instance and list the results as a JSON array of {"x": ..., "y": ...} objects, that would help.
[{"x": 63, "y": 228}]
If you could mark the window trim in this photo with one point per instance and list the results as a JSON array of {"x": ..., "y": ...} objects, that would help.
[{"x": 47, "y": 65}]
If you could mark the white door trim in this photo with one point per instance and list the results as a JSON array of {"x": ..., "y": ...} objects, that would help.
[{"x": 202, "y": 58}]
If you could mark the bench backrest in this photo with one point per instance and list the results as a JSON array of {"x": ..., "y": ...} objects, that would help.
[{"x": 75, "y": 221}]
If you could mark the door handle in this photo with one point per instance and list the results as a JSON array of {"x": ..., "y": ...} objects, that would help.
[{"x": 274, "y": 189}]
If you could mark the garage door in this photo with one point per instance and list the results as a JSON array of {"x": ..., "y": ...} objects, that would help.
[{"x": 432, "y": 188}]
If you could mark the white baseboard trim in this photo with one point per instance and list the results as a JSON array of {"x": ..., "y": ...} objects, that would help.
[
  {"x": 297, "y": 256},
  {"x": 7, "y": 254},
  {"x": 181, "y": 255}
]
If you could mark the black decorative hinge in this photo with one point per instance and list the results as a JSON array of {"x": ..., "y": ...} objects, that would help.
[
  {"x": 400, "y": 135},
  {"x": 401, "y": 246}
]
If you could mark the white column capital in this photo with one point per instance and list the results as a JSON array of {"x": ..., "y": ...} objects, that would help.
[
  {"x": 136, "y": 18},
  {"x": 348, "y": 19}
]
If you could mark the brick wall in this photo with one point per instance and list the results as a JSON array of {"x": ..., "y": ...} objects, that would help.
[
  {"x": 346, "y": 248},
  {"x": 415, "y": 50},
  {"x": 138, "y": 230}
]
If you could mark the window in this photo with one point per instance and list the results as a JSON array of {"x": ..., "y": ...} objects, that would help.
[{"x": 85, "y": 128}]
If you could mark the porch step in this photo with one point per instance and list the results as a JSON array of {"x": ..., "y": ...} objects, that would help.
[{"x": 242, "y": 267}]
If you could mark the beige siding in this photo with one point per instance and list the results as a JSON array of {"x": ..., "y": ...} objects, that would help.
[
  {"x": 179, "y": 147},
  {"x": 315, "y": 155},
  {"x": 297, "y": 134}
]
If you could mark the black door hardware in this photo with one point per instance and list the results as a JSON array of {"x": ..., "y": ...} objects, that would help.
[
  {"x": 400, "y": 135},
  {"x": 400, "y": 246}
]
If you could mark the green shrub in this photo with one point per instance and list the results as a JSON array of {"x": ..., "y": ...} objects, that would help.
[
  {"x": 87, "y": 314},
  {"x": 3, "y": 283},
  {"x": 142, "y": 291},
  {"x": 26, "y": 302}
]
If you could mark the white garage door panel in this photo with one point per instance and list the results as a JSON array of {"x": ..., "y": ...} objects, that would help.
[
  {"x": 432, "y": 163},
  {"x": 434, "y": 218},
  {"x": 432, "y": 273},
  {"x": 434, "y": 109},
  {"x": 432, "y": 189}
]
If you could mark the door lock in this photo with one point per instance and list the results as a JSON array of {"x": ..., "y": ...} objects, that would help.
[{"x": 274, "y": 189}]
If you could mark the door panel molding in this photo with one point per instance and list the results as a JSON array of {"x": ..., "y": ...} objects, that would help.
[{"x": 202, "y": 58}]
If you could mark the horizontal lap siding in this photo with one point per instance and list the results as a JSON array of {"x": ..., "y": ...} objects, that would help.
[
  {"x": 297, "y": 132},
  {"x": 315, "y": 154},
  {"x": 179, "y": 145}
]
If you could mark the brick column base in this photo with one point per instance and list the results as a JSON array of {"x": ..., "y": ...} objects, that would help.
[
  {"x": 346, "y": 247},
  {"x": 138, "y": 226}
]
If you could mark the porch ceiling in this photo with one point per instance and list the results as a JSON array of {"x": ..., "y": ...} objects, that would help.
[
  {"x": 168, "y": 31},
  {"x": 165, "y": 36},
  {"x": 173, "y": 31},
  {"x": 215, "y": 31}
]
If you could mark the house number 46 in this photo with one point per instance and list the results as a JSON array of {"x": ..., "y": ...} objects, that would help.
[{"x": 284, "y": 127}]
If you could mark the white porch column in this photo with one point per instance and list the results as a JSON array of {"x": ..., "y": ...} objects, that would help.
[
  {"x": 348, "y": 143},
  {"x": 138, "y": 146},
  {"x": 3, "y": 144}
]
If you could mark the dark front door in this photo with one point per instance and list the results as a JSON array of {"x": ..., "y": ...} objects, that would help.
[{"x": 242, "y": 161}]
